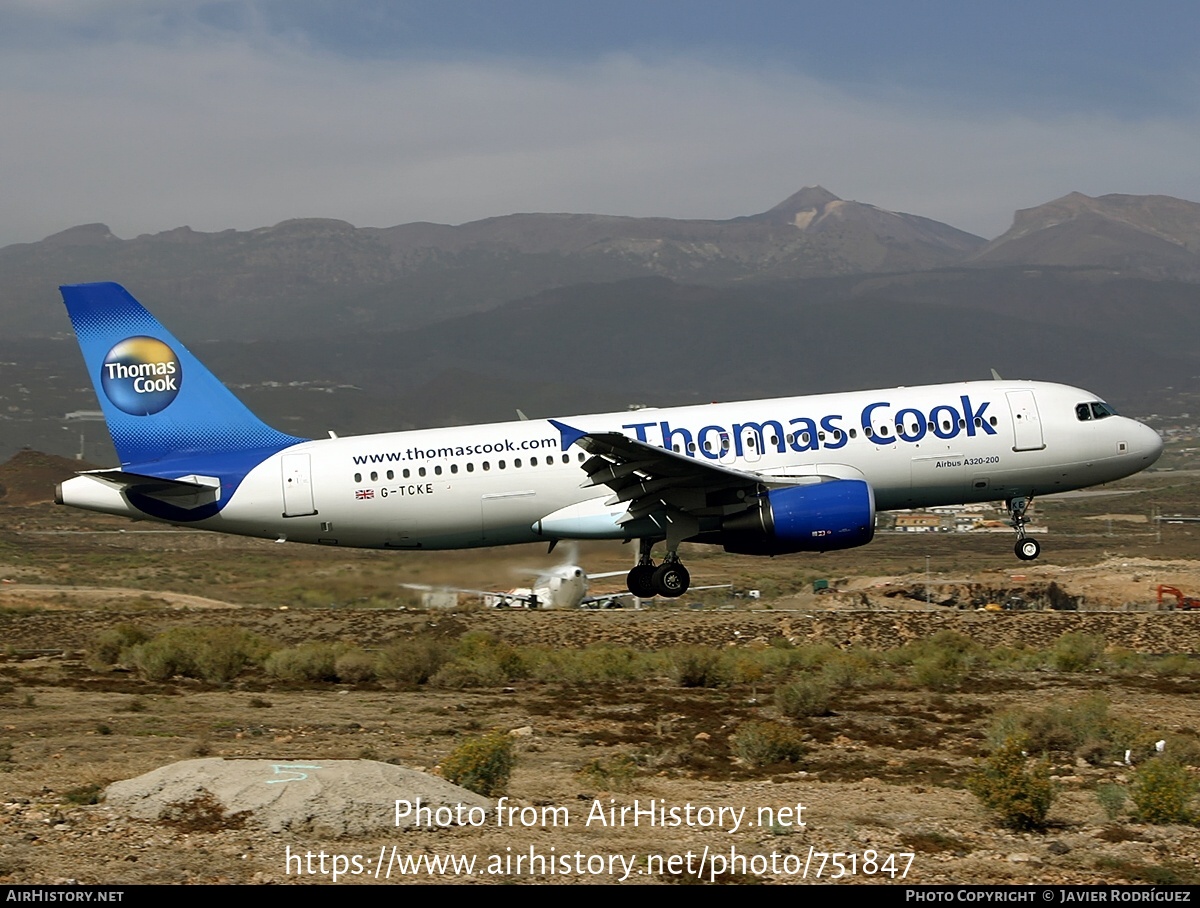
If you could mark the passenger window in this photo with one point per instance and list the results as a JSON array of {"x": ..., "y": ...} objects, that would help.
[
  {"x": 437, "y": 471},
  {"x": 499, "y": 464},
  {"x": 486, "y": 466},
  {"x": 420, "y": 471},
  {"x": 517, "y": 462},
  {"x": 358, "y": 477},
  {"x": 407, "y": 473},
  {"x": 533, "y": 461},
  {"x": 854, "y": 433},
  {"x": 391, "y": 475},
  {"x": 471, "y": 468},
  {"x": 453, "y": 468},
  {"x": 374, "y": 476}
]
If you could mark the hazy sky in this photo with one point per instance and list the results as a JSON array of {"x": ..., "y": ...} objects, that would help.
[{"x": 151, "y": 114}]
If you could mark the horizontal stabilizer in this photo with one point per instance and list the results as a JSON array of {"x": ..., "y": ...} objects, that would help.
[{"x": 185, "y": 492}]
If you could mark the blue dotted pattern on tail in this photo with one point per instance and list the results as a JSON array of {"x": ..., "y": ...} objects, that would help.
[{"x": 125, "y": 347}]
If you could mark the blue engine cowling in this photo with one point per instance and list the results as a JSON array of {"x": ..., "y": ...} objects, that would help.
[{"x": 837, "y": 514}]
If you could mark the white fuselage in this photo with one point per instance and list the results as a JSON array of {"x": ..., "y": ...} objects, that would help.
[{"x": 491, "y": 484}]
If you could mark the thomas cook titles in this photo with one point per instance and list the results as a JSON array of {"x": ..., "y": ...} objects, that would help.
[{"x": 141, "y": 375}]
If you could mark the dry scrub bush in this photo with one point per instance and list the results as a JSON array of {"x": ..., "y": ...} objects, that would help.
[
  {"x": 1084, "y": 729},
  {"x": 113, "y": 643},
  {"x": 482, "y": 765},
  {"x": 1077, "y": 652},
  {"x": 212, "y": 654},
  {"x": 804, "y": 698},
  {"x": 480, "y": 660},
  {"x": 412, "y": 661},
  {"x": 941, "y": 662},
  {"x": 859, "y": 668},
  {"x": 1111, "y": 798},
  {"x": 698, "y": 666},
  {"x": 321, "y": 662},
  {"x": 1162, "y": 792},
  {"x": 1021, "y": 794},
  {"x": 306, "y": 662},
  {"x": 598, "y": 664},
  {"x": 354, "y": 666},
  {"x": 613, "y": 773},
  {"x": 759, "y": 744}
]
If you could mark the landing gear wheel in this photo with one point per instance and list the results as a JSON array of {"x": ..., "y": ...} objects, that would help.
[
  {"x": 640, "y": 581},
  {"x": 1028, "y": 549},
  {"x": 671, "y": 580}
]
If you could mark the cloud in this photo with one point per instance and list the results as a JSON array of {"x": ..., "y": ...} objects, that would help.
[{"x": 216, "y": 128}]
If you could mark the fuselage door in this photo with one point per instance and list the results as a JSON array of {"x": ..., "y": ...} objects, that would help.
[
  {"x": 1027, "y": 425},
  {"x": 297, "y": 486},
  {"x": 750, "y": 441}
]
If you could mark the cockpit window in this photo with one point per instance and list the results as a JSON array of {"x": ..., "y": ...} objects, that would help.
[{"x": 1097, "y": 409}]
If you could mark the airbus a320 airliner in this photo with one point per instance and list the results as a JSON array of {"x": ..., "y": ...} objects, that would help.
[{"x": 763, "y": 477}]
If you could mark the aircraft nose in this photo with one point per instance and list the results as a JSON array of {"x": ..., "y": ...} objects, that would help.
[{"x": 1147, "y": 443}]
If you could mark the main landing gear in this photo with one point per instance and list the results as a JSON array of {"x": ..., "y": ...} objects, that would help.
[
  {"x": 647, "y": 580},
  {"x": 1026, "y": 548}
]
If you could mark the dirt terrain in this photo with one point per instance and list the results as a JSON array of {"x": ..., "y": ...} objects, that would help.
[
  {"x": 882, "y": 776},
  {"x": 883, "y": 773}
]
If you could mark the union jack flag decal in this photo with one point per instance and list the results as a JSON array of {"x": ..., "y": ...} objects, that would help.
[{"x": 364, "y": 493}]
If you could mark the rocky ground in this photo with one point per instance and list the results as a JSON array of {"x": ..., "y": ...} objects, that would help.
[
  {"x": 883, "y": 775},
  {"x": 882, "y": 779}
]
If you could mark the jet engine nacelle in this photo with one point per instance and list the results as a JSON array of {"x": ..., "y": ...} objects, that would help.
[{"x": 836, "y": 514}]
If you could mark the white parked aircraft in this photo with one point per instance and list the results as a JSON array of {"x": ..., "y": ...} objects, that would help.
[
  {"x": 561, "y": 586},
  {"x": 764, "y": 477}
]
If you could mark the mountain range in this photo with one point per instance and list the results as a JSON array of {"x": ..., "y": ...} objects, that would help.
[
  {"x": 321, "y": 325},
  {"x": 309, "y": 277}
]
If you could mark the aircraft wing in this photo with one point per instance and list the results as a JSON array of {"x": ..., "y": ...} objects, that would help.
[
  {"x": 654, "y": 479},
  {"x": 527, "y": 598},
  {"x": 600, "y": 600}
]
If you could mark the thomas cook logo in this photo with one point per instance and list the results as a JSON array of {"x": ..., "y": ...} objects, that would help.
[{"x": 141, "y": 375}]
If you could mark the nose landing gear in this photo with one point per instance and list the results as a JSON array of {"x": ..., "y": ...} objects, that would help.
[{"x": 1026, "y": 548}]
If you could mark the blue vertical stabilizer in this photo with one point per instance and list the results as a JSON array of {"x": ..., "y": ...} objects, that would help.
[{"x": 160, "y": 402}]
